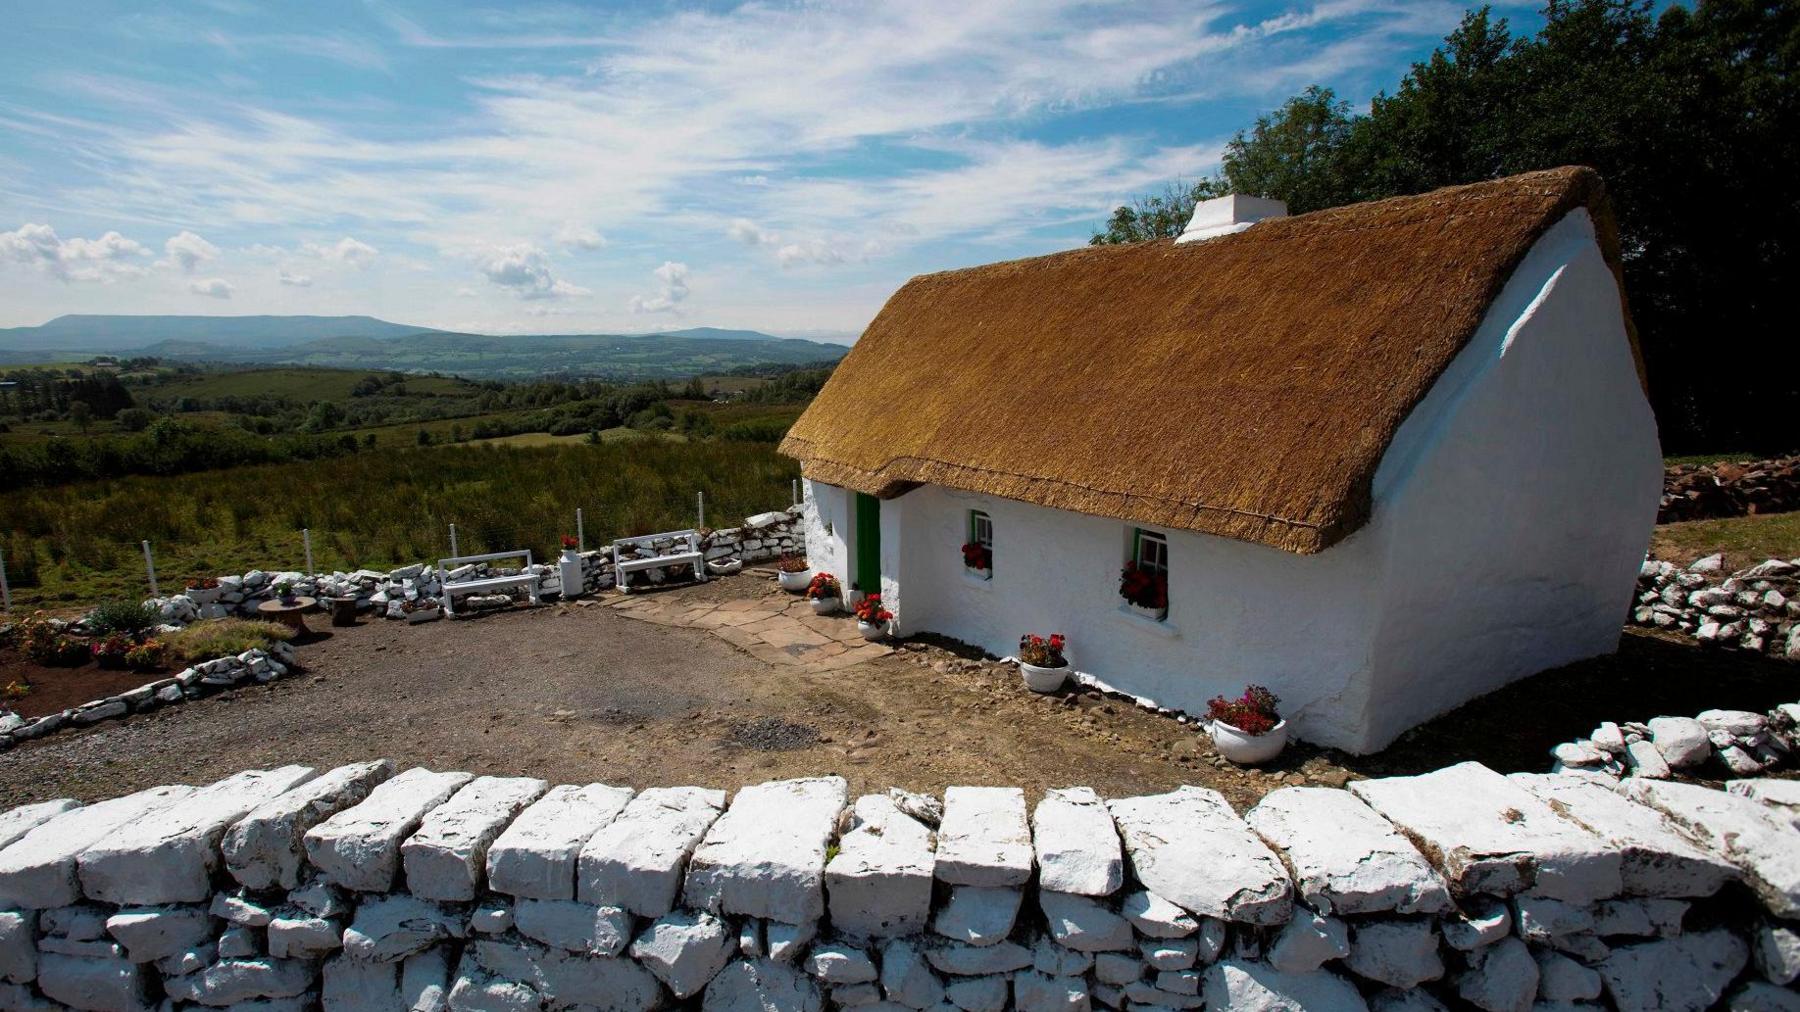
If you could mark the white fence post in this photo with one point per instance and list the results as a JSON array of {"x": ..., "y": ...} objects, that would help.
[
  {"x": 703, "y": 511},
  {"x": 150, "y": 570},
  {"x": 306, "y": 537},
  {"x": 795, "y": 492},
  {"x": 453, "y": 551},
  {"x": 580, "y": 532},
  {"x": 5, "y": 590}
]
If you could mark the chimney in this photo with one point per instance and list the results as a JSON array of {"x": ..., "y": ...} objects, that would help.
[{"x": 1233, "y": 212}]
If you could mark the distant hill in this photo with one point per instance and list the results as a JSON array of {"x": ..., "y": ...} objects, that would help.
[
  {"x": 719, "y": 334},
  {"x": 94, "y": 333}
]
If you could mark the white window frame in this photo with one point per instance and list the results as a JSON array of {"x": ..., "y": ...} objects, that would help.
[
  {"x": 1158, "y": 558},
  {"x": 981, "y": 532}
]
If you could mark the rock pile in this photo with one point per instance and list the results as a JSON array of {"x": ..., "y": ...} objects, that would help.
[
  {"x": 764, "y": 536},
  {"x": 1716, "y": 743},
  {"x": 1700, "y": 491},
  {"x": 202, "y": 679},
  {"x": 1752, "y": 609},
  {"x": 363, "y": 889}
]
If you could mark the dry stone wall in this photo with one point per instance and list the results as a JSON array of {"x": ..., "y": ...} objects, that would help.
[
  {"x": 365, "y": 888},
  {"x": 1757, "y": 608}
]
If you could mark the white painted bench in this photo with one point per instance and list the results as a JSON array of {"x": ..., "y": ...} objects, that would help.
[
  {"x": 526, "y": 579},
  {"x": 687, "y": 552}
]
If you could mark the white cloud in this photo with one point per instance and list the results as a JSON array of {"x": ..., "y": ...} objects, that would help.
[
  {"x": 524, "y": 270},
  {"x": 672, "y": 291},
  {"x": 108, "y": 258},
  {"x": 296, "y": 280},
  {"x": 750, "y": 233},
  {"x": 813, "y": 251},
  {"x": 216, "y": 288},
  {"x": 578, "y": 236},
  {"x": 186, "y": 251},
  {"x": 345, "y": 251}
]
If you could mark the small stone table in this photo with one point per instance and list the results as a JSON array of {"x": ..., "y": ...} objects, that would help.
[
  {"x": 290, "y": 613},
  {"x": 343, "y": 610}
]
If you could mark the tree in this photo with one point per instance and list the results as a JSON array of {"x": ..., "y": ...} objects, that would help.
[
  {"x": 1294, "y": 154},
  {"x": 134, "y": 419},
  {"x": 1157, "y": 216},
  {"x": 323, "y": 415},
  {"x": 82, "y": 414}
]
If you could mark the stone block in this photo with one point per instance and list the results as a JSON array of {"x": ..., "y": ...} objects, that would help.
[
  {"x": 1765, "y": 849},
  {"x": 359, "y": 985},
  {"x": 446, "y": 857},
  {"x": 1083, "y": 924},
  {"x": 1500, "y": 978},
  {"x": 1156, "y": 917},
  {"x": 387, "y": 929},
  {"x": 907, "y": 978},
  {"x": 979, "y": 915},
  {"x": 1248, "y": 986},
  {"x": 765, "y": 857},
  {"x": 425, "y": 980},
  {"x": 1691, "y": 972},
  {"x": 1076, "y": 844},
  {"x": 1401, "y": 954},
  {"x": 637, "y": 860},
  {"x": 1655, "y": 858},
  {"x": 152, "y": 933},
  {"x": 265, "y": 849},
  {"x": 966, "y": 960},
  {"x": 1345, "y": 859},
  {"x": 984, "y": 839},
  {"x": 100, "y": 985},
  {"x": 16, "y": 822},
  {"x": 170, "y": 855},
  {"x": 685, "y": 950},
  {"x": 230, "y": 981},
  {"x": 1190, "y": 848},
  {"x": 879, "y": 884},
  {"x": 761, "y": 985},
  {"x": 1036, "y": 992},
  {"x": 38, "y": 871},
  {"x": 1488, "y": 834},
  {"x": 574, "y": 926},
  {"x": 1307, "y": 942},
  {"x": 304, "y": 937},
  {"x": 840, "y": 962},
  {"x": 536, "y": 857},
  {"x": 18, "y": 946},
  {"x": 359, "y": 847},
  {"x": 978, "y": 994}
]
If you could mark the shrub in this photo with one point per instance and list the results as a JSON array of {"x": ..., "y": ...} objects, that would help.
[
  {"x": 15, "y": 689},
  {"x": 126, "y": 618},
  {"x": 40, "y": 641},
  {"x": 217, "y": 637},
  {"x": 1252, "y": 713},
  {"x": 1042, "y": 652}
]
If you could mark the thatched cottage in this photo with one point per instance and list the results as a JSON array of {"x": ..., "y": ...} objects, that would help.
[{"x": 1382, "y": 458}]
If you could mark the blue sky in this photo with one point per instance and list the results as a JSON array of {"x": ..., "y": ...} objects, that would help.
[{"x": 617, "y": 167}]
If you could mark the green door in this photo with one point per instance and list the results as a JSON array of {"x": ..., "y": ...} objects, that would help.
[{"x": 868, "y": 544}]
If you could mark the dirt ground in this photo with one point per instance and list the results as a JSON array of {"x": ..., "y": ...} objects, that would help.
[
  {"x": 54, "y": 689},
  {"x": 579, "y": 694}
]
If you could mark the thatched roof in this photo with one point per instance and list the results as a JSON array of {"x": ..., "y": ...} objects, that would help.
[{"x": 1245, "y": 386}]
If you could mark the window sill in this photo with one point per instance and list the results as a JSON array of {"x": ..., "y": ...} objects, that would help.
[
  {"x": 984, "y": 582},
  {"x": 1164, "y": 628}
]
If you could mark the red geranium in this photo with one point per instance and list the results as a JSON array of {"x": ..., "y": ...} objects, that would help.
[
  {"x": 823, "y": 586},
  {"x": 978, "y": 556},
  {"x": 568, "y": 541},
  {"x": 1042, "y": 652},
  {"x": 869, "y": 609},
  {"x": 1252, "y": 713},
  {"x": 1145, "y": 588}
]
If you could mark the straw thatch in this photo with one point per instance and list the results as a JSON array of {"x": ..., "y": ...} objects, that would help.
[{"x": 1246, "y": 386}]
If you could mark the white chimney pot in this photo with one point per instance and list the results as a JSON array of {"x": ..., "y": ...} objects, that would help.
[{"x": 1233, "y": 212}]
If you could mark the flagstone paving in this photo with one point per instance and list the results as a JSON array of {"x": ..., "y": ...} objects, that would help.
[{"x": 773, "y": 626}]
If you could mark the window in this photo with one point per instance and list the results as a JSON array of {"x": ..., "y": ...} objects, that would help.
[
  {"x": 978, "y": 551},
  {"x": 1144, "y": 582}
]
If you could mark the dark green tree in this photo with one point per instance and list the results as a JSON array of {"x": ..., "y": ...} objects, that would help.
[{"x": 1295, "y": 154}]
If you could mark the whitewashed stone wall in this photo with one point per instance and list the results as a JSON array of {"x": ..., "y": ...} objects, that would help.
[
  {"x": 363, "y": 889},
  {"x": 1757, "y": 608}
]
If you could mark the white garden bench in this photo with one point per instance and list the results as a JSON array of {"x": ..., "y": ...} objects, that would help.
[
  {"x": 525, "y": 578},
  {"x": 683, "y": 550}
]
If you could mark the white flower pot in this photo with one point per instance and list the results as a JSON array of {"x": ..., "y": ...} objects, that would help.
[
  {"x": 980, "y": 574},
  {"x": 1043, "y": 679},
  {"x": 725, "y": 567},
  {"x": 1248, "y": 749},
  {"x": 824, "y": 605},
  {"x": 1153, "y": 614},
  {"x": 794, "y": 583},
  {"x": 872, "y": 631}
]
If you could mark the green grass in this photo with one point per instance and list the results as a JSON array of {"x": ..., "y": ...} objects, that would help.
[
  {"x": 1710, "y": 458},
  {"x": 371, "y": 509},
  {"x": 212, "y": 638},
  {"x": 1744, "y": 541}
]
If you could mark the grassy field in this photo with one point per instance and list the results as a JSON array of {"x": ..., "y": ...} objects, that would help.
[
  {"x": 1745, "y": 541},
  {"x": 79, "y": 542},
  {"x": 302, "y": 385}
]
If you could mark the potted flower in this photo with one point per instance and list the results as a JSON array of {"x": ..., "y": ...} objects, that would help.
[
  {"x": 792, "y": 572},
  {"x": 727, "y": 566},
  {"x": 147, "y": 656},
  {"x": 425, "y": 609},
  {"x": 871, "y": 618},
  {"x": 824, "y": 593},
  {"x": 1247, "y": 730},
  {"x": 1145, "y": 591},
  {"x": 978, "y": 559},
  {"x": 285, "y": 591},
  {"x": 568, "y": 568},
  {"x": 204, "y": 590},
  {"x": 1041, "y": 661}
]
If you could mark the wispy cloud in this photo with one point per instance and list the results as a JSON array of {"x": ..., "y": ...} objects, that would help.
[{"x": 214, "y": 288}]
